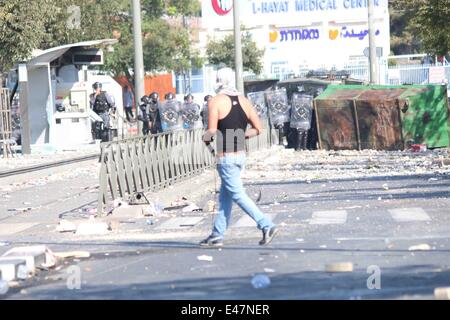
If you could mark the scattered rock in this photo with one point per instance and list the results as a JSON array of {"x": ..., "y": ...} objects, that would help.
[
  {"x": 66, "y": 226},
  {"x": 420, "y": 247},
  {"x": 442, "y": 293},
  {"x": 92, "y": 228},
  {"x": 339, "y": 267},
  {"x": 260, "y": 281},
  {"x": 72, "y": 254},
  {"x": 205, "y": 258}
]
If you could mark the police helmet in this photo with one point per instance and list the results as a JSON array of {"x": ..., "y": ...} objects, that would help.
[
  {"x": 186, "y": 97},
  {"x": 207, "y": 97},
  {"x": 145, "y": 99},
  {"x": 154, "y": 96},
  {"x": 169, "y": 96},
  {"x": 97, "y": 85}
]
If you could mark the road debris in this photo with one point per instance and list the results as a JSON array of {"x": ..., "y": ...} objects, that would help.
[
  {"x": 420, "y": 247},
  {"x": 34, "y": 256},
  {"x": 92, "y": 228},
  {"x": 268, "y": 270},
  {"x": 442, "y": 293},
  {"x": 260, "y": 281},
  {"x": 191, "y": 208},
  {"x": 205, "y": 258},
  {"x": 210, "y": 206},
  {"x": 72, "y": 254},
  {"x": 9, "y": 268},
  {"x": 66, "y": 226},
  {"x": 339, "y": 267}
]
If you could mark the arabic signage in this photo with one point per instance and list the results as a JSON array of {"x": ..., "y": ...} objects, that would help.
[
  {"x": 346, "y": 33},
  {"x": 302, "y": 33}
]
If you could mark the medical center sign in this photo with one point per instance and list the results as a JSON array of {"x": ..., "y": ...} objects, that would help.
[
  {"x": 222, "y": 7},
  {"x": 217, "y": 13}
]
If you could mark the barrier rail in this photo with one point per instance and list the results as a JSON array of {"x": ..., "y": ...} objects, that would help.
[
  {"x": 6, "y": 140},
  {"x": 154, "y": 162}
]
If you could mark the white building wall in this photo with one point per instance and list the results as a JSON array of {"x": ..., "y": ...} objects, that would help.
[{"x": 302, "y": 33}]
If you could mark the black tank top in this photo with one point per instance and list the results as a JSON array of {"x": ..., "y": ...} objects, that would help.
[{"x": 231, "y": 135}]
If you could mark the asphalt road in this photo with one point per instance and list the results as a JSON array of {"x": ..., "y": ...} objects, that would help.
[{"x": 369, "y": 222}]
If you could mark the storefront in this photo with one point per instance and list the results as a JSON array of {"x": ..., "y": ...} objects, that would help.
[{"x": 302, "y": 34}]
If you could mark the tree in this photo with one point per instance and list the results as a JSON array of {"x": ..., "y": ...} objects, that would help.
[
  {"x": 429, "y": 22},
  {"x": 403, "y": 40},
  {"x": 18, "y": 39},
  {"x": 222, "y": 52},
  {"x": 166, "y": 46}
]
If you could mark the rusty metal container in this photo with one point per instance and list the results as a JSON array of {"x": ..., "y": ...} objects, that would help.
[{"x": 382, "y": 117}]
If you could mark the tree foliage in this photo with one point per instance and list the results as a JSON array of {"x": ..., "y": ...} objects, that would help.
[
  {"x": 428, "y": 21},
  {"x": 18, "y": 39},
  {"x": 26, "y": 25},
  {"x": 222, "y": 52},
  {"x": 403, "y": 39}
]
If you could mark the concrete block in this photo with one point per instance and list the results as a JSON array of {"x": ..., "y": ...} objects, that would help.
[
  {"x": 66, "y": 226},
  {"x": 10, "y": 267},
  {"x": 92, "y": 228},
  {"x": 34, "y": 256},
  {"x": 442, "y": 293},
  {"x": 130, "y": 212}
]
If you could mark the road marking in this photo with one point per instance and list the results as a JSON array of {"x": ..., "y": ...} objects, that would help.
[
  {"x": 12, "y": 228},
  {"x": 245, "y": 221},
  {"x": 181, "y": 222},
  {"x": 409, "y": 215},
  {"x": 329, "y": 217}
]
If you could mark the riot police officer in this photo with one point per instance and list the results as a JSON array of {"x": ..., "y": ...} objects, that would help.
[
  {"x": 170, "y": 113},
  {"x": 101, "y": 103},
  {"x": 144, "y": 116},
  {"x": 190, "y": 113},
  {"x": 204, "y": 111},
  {"x": 279, "y": 111},
  {"x": 153, "y": 113},
  {"x": 301, "y": 117}
]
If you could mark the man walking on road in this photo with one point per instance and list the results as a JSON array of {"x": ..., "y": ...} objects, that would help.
[{"x": 229, "y": 113}]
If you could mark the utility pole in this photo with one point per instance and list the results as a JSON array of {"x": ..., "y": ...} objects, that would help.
[
  {"x": 238, "y": 47},
  {"x": 139, "y": 90},
  {"x": 372, "y": 45}
]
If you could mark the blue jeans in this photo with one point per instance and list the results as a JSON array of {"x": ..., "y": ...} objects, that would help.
[{"x": 232, "y": 189}]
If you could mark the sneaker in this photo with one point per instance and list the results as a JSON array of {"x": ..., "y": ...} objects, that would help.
[
  {"x": 268, "y": 235},
  {"x": 212, "y": 241}
]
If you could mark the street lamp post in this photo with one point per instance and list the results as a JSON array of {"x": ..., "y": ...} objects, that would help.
[
  {"x": 372, "y": 45},
  {"x": 238, "y": 47},
  {"x": 138, "y": 56}
]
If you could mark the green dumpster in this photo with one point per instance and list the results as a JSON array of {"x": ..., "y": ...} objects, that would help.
[{"x": 382, "y": 117}]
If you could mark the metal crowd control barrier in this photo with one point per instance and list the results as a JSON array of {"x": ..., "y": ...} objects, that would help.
[
  {"x": 6, "y": 141},
  {"x": 153, "y": 162}
]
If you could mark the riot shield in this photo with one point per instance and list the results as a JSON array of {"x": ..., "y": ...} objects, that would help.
[
  {"x": 190, "y": 116},
  {"x": 301, "y": 112},
  {"x": 169, "y": 112},
  {"x": 279, "y": 108},
  {"x": 259, "y": 103}
]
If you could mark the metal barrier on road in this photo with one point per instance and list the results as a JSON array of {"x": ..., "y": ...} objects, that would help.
[{"x": 154, "y": 162}]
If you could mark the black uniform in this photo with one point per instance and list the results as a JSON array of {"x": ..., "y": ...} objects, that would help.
[{"x": 101, "y": 104}]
